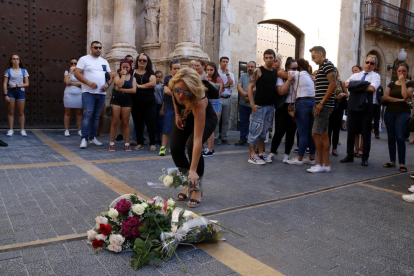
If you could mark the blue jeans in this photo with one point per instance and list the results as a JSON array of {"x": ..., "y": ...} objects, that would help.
[
  {"x": 395, "y": 123},
  {"x": 92, "y": 106},
  {"x": 304, "y": 123},
  {"x": 244, "y": 115}
]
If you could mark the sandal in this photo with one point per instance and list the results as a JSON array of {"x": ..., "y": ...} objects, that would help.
[
  {"x": 402, "y": 169},
  {"x": 356, "y": 153},
  {"x": 191, "y": 202},
  {"x": 388, "y": 165},
  {"x": 153, "y": 148},
  {"x": 139, "y": 147},
  {"x": 184, "y": 196}
]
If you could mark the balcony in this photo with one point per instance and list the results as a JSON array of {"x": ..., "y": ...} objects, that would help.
[{"x": 384, "y": 18}]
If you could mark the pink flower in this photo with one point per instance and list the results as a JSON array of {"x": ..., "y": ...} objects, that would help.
[
  {"x": 92, "y": 235},
  {"x": 114, "y": 248},
  {"x": 130, "y": 227},
  {"x": 101, "y": 237},
  {"x": 100, "y": 220},
  {"x": 116, "y": 239}
]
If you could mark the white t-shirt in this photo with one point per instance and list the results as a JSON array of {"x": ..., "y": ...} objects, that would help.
[
  {"x": 306, "y": 86},
  {"x": 93, "y": 71},
  {"x": 16, "y": 77}
]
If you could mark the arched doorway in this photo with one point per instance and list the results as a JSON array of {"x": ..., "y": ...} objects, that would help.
[{"x": 281, "y": 36}]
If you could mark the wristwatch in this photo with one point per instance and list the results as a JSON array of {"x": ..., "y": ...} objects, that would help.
[
  {"x": 227, "y": 74},
  {"x": 321, "y": 103}
]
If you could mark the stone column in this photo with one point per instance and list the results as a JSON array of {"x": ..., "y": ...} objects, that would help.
[
  {"x": 124, "y": 31},
  {"x": 203, "y": 23},
  {"x": 189, "y": 26}
]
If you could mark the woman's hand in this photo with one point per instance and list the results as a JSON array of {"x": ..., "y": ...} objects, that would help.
[
  {"x": 123, "y": 72},
  {"x": 71, "y": 69},
  {"x": 180, "y": 123},
  {"x": 194, "y": 178},
  {"x": 401, "y": 78},
  {"x": 161, "y": 113},
  {"x": 11, "y": 86},
  {"x": 7, "y": 99},
  {"x": 291, "y": 76}
]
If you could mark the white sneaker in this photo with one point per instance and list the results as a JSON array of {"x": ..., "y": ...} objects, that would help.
[
  {"x": 285, "y": 158},
  {"x": 411, "y": 189},
  {"x": 67, "y": 134},
  {"x": 272, "y": 156},
  {"x": 294, "y": 161},
  {"x": 327, "y": 168},
  {"x": 83, "y": 144},
  {"x": 95, "y": 141},
  {"x": 408, "y": 198},
  {"x": 308, "y": 161},
  {"x": 10, "y": 133},
  {"x": 316, "y": 169},
  {"x": 80, "y": 132},
  {"x": 266, "y": 158},
  {"x": 23, "y": 133},
  {"x": 256, "y": 160}
]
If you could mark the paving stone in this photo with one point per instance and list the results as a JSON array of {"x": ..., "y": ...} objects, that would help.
[
  {"x": 93, "y": 270},
  {"x": 39, "y": 268},
  {"x": 12, "y": 266},
  {"x": 58, "y": 256},
  {"x": 66, "y": 268},
  {"x": 33, "y": 255}
]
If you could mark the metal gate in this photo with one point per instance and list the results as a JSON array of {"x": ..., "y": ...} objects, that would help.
[{"x": 46, "y": 34}]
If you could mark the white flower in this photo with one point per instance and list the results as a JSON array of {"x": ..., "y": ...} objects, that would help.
[
  {"x": 160, "y": 205},
  {"x": 114, "y": 248},
  {"x": 187, "y": 214},
  {"x": 116, "y": 239},
  {"x": 168, "y": 180},
  {"x": 170, "y": 203},
  {"x": 100, "y": 220},
  {"x": 101, "y": 237},
  {"x": 170, "y": 208},
  {"x": 113, "y": 213},
  {"x": 145, "y": 205},
  {"x": 92, "y": 235},
  {"x": 138, "y": 209}
]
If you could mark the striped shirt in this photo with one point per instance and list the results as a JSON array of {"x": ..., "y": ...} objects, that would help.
[{"x": 322, "y": 83}]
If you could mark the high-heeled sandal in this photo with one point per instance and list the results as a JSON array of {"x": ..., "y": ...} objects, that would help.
[
  {"x": 185, "y": 195},
  {"x": 192, "y": 203},
  {"x": 357, "y": 154}
]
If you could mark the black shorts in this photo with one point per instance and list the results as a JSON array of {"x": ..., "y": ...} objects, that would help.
[{"x": 122, "y": 99}]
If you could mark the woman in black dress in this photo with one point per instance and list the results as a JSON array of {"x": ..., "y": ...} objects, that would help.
[{"x": 195, "y": 121}]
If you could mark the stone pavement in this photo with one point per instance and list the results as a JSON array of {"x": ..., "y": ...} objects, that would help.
[{"x": 351, "y": 221}]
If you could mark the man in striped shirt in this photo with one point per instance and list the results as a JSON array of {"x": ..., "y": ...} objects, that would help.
[{"x": 324, "y": 105}]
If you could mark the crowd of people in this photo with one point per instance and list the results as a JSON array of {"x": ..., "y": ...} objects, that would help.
[{"x": 191, "y": 108}]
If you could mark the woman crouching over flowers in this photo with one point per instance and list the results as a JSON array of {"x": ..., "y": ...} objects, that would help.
[{"x": 195, "y": 121}]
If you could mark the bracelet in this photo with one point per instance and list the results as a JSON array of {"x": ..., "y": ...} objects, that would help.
[
  {"x": 287, "y": 80},
  {"x": 5, "y": 95},
  {"x": 177, "y": 115},
  {"x": 227, "y": 74}
]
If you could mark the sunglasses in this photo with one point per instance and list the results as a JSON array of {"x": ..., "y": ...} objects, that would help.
[
  {"x": 294, "y": 68},
  {"x": 143, "y": 60},
  {"x": 367, "y": 62},
  {"x": 97, "y": 47},
  {"x": 175, "y": 60},
  {"x": 179, "y": 91},
  {"x": 15, "y": 58},
  {"x": 73, "y": 63}
]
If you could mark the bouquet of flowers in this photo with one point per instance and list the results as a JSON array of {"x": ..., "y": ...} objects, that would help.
[
  {"x": 174, "y": 177},
  {"x": 151, "y": 229}
]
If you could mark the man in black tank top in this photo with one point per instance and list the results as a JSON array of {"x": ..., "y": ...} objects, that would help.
[{"x": 261, "y": 119}]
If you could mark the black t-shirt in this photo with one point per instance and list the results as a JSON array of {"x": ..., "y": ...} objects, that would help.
[
  {"x": 167, "y": 98},
  {"x": 266, "y": 87},
  {"x": 144, "y": 95}
]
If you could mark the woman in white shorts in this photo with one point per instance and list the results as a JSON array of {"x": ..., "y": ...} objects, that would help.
[{"x": 72, "y": 98}]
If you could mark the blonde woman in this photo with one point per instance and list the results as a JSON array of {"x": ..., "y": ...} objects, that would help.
[{"x": 195, "y": 121}]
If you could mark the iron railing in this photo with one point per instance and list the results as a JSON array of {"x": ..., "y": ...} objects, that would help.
[{"x": 382, "y": 14}]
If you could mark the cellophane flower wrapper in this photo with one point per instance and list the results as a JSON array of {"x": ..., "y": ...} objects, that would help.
[
  {"x": 174, "y": 178},
  {"x": 188, "y": 228}
]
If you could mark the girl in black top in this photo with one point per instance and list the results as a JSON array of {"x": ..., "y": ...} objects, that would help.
[
  {"x": 121, "y": 102},
  {"x": 195, "y": 121},
  {"x": 143, "y": 102}
]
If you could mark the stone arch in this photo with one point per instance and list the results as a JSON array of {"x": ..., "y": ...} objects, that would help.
[{"x": 292, "y": 29}]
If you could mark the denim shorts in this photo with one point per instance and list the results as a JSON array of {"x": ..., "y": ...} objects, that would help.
[
  {"x": 18, "y": 94},
  {"x": 216, "y": 103},
  {"x": 168, "y": 119},
  {"x": 320, "y": 125},
  {"x": 260, "y": 122}
]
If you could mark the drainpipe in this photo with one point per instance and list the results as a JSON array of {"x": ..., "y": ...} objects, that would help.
[{"x": 361, "y": 21}]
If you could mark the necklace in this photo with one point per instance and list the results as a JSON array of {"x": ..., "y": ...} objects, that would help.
[{"x": 140, "y": 76}]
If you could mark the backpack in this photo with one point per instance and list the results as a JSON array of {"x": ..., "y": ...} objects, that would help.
[{"x": 9, "y": 75}]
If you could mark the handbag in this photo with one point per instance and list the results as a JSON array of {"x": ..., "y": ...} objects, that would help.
[
  {"x": 292, "y": 106},
  {"x": 341, "y": 103}
]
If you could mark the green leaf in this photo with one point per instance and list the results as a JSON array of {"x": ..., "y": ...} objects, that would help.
[
  {"x": 143, "y": 229},
  {"x": 157, "y": 260}
]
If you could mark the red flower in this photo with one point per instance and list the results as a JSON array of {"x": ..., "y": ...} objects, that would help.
[
  {"x": 105, "y": 229},
  {"x": 98, "y": 243}
]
